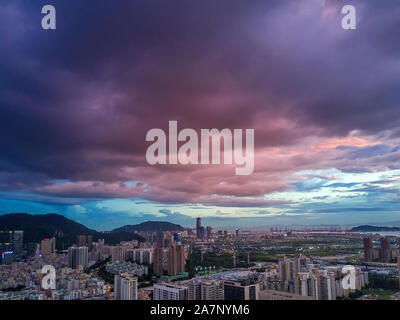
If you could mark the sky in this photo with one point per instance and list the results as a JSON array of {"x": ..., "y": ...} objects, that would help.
[{"x": 76, "y": 104}]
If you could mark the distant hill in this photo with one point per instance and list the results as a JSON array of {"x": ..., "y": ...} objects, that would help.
[
  {"x": 38, "y": 227},
  {"x": 151, "y": 226},
  {"x": 367, "y": 228}
]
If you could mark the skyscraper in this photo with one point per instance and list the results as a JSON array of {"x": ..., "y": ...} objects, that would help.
[
  {"x": 284, "y": 273},
  {"x": 17, "y": 241},
  {"x": 202, "y": 233},
  {"x": 5, "y": 242},
  {"x": 327, "y": 287},
  {"x": 48, "y": 246},
  {"x": 198, "y": 223},
  {"x": 198, "y": 228},
  {"x": 85, "y": 241},
  {"x": 211, "y": 290},
  {"x": 160, "y": 240},
  {"x": 205, "y": 289},
  {"x": 125, "y": 287},
  {"x": 208, "y": 231},
  {"x": 158, "y": 261},
  {"x": 194, "y": 290},
  {"x": 118, "y": 254},
  {"x": 234, "y": 290},
  {"x": 368, "y": 249},
  {"x": 32, "y": 249},
  {"x": 165, "y": 291},
  {"x": 385, "y": 250},
  {"x": 176, "y": 260},
  {"x": 78, "y": 257},
  {"x": 12, "y": 241},
  {"x": 398, "y": 267}
]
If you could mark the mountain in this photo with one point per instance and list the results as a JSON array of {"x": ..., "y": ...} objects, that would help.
[
  {"x": 151, "y": 226},
  {"x": 38, "y": 227},
  {"x": 367, "y": 228}
]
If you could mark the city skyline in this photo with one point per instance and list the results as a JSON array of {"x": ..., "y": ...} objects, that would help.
[
  {"x": 186, "y": 265},
  {"x": 76, "y": 103}
]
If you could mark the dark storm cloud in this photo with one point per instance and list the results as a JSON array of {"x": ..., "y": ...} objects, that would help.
[
  {"x": 370, "y": 151},
  {"x": 84, "y": 90},
  {"x": 76, "y": 103}
]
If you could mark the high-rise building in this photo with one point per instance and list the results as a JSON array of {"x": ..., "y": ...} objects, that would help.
[
  {"x": 311, "y": 280},
  {"x": 32, "y": 249},
  {"x": 314, "y": 287},
  {"x": 385, "y": 250},
  {"x": 125, "y": 287},
  {"x": 158, "y": 261},
  {"x": 176, "y": 260},
  {"x": 240, "y": 290},
  {"x": 211, "y": 290},
  {"x": 81, "y": 240},
  {"x": 328, "y": 287},
  {"x": 198, "y": 223},
  {"x": 198, "y": 228},
  {"x": 78, "y": 257},
  {"x": 288, "y": 269},
  {"x": 140, "y": 256},
  {"x": 282, "y": 270},
  {"x": 208, "y": 231},
  {"x": 398, "y": 267},
  {"x": 368, "y": 249},
  {"x": 204, "y": 289},
  {"x": 85, "y": 241},
  {"x": 5, "y": 241},
  {"x": 7, "y": 257},
  {"x": 291, "y": 270},
  {"x": 12, "y": 242},
  {"x": 194, "y": 290},
  {"x": 17, "y": 242},
  {"x": 166, "y": 291},
  {"x": 302, "y": 263},
  {"x": 303, "y": 276},
  {"x": 118, "y": 254},
  {"x": 398, "y": 245},
  {"x": 160, "y": 240},
  {"x": 48, "y": 246}
]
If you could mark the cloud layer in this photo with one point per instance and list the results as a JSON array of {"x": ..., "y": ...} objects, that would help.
[{"x": 76, "y": 103}]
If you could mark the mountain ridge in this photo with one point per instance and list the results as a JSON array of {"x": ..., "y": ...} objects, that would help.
[
  {"x": 150, "y": 226},
  {"x": 40, "y": 226},
  {"x": 369, "y": 228}
]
